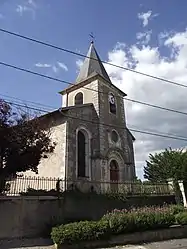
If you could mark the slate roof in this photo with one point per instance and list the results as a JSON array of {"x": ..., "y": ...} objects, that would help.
[{"x": 92, "y": 65}]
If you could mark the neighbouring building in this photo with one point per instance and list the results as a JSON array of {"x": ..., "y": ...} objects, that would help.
[{"x": 93, "y": 141}]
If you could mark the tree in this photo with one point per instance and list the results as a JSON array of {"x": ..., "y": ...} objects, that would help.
[
  {"x": 23, "y": 142},
  {"x": 166, "y": 164},
  {"x": 137, "y": 180}
]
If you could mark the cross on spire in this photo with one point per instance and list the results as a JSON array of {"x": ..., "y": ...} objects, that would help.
[{"x": 92, "y": 37}]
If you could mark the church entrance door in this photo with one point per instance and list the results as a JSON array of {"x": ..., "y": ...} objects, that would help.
[{"x": 114, "y": 175}]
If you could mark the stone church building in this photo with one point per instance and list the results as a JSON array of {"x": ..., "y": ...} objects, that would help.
[{"x": 93, "y": 142}]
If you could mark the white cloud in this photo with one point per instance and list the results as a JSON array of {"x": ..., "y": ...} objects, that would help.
[
  {"x": 150, "y": 60},
  {"x": 28, "y": 7},
  {"x": 32, "y": 3},
  {"x": 55, "y": 66},
  {"x": 146, "y": 16},
  {"x": 144, "y": 37},
  {"x": 62, "y": 65},
  {"x": 55, "y": 69},
  {"x": 79, "y": 63},
  {"x": 42, "y": 65}
]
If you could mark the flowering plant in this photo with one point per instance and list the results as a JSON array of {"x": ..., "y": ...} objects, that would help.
[{"x": 117, "y": 222}]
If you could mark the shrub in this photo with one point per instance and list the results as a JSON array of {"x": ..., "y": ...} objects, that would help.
[
  {"x": 116, "y": 222},
  {"x": 181, "y": 218},
  {"x": 139, "y": 220},
  {"x": 40, "y": 192},
  {"x": 177, "y": 209},
  {"x": 55, "y": 221},
  {"x": 80, "y": 231}
]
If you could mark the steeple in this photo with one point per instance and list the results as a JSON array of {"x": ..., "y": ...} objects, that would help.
[{"x": 92, "y": 65}]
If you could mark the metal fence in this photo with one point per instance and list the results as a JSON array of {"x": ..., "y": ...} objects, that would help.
[{"x": 53, "y": 186}]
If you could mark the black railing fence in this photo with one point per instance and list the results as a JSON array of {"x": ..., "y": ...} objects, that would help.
[{"x": 52, "y": 186}]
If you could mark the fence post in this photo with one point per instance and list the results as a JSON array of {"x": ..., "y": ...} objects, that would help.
[
  {"x": 174, "y": 188},
  {"x": 181, "y": 186},
  {"x": 171, "y": 185}
]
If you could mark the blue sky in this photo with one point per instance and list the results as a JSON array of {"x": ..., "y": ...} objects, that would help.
[
  {"x": 67, "y": 23},
  {"x": 151, "y": 32}
]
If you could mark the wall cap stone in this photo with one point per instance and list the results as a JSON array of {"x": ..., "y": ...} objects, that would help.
[{"x": 28, "y": 198}]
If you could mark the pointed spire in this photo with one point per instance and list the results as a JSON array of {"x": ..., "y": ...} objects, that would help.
[{"x": 92, "y": 65}]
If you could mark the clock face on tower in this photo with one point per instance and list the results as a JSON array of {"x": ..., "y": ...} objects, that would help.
[
  {"x": 112, "y": 103},
  {"x": 111, "y": 99}
]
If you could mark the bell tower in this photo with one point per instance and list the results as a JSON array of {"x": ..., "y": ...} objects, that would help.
[{"x": 113, "y": 157}]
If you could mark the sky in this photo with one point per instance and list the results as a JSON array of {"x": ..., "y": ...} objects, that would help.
[{"x": 145, "y": 35}]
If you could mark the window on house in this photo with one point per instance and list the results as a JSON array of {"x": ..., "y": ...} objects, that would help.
[
  {"x": 81, "y": 154},
  {"x": 79, "y": 98},
  {"x": 112, "y": 103}
]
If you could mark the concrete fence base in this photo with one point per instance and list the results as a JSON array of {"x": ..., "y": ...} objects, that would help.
[{"x": 174, "y": 232}]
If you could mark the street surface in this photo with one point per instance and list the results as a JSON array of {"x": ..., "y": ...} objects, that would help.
[
  {"x": 171, "y": 244},
  {"x": 47, "y": 244}
]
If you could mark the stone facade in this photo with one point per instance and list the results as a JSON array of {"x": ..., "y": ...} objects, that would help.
[
  {"x": 107, "y": 150},
  {"x": 96, "y": 92}
]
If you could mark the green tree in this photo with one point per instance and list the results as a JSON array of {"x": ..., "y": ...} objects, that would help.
[
  {"x": 137, "y": 180},
  {"x": 23, "y": 142},
  {"x": 166, "y": 164}
]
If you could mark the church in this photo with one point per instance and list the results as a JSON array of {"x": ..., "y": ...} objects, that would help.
[{"x": 93, "y": 143}]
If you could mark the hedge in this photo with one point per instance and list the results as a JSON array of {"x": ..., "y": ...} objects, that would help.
[
  {"x": 116, "y": 222},
  {"x": 181, "y": 218}
]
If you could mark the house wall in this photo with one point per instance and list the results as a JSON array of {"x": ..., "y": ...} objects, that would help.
[{"x": 54, "y": 165}]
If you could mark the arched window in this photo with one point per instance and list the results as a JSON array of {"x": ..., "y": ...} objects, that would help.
[
  {"x": 114, "y": 136},
  {"x": 79, "y": 98},
  {"x": 112, "y": 103},
  {"x": 81, "y": 154}
]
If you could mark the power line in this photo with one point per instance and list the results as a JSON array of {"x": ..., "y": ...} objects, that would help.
[
  {"x": 28, "y": 101},
  {"x": 62, "y": 81},
  {"x": 171, "y": 136},
  {"x": 156, "y": 106},
  {"x": 88, "y": 88},
  {"x": 26, "y": 106},
  {"x": 85, "y": 56},
  {"x": 47, "y": 111},
  {"x": 33, "y": 72},
  {"x": 133, "y": 130}
]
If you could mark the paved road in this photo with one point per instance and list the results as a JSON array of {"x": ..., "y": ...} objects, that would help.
[
  {"x": 27, "y": 244},
  {"x": 47, "y": 244},
  {"x": 171, "y": 244}
]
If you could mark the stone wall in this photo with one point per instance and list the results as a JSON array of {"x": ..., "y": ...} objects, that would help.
[
  {"x": 85, "y": 118},
  {"x": 54, "y": 164},
  {"x": 95, "y": 90},
  {"x": 33, "y": 216}
]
